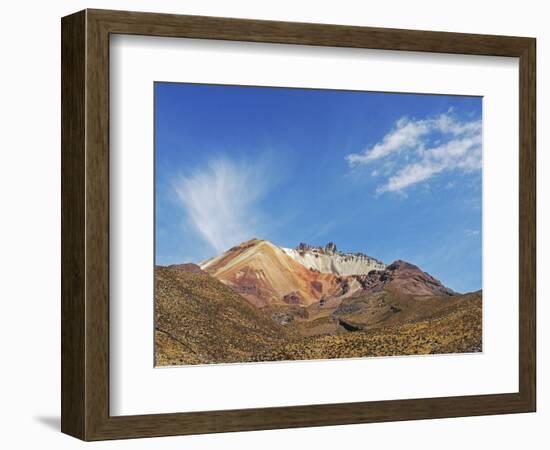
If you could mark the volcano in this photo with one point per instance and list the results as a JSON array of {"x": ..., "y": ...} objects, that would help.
[{"x": 266, "y": 274}]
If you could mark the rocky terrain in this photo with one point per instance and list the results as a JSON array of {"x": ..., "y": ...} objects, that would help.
[
  {"x": 260, "y": 302},
  {"x": 329, "y": 260}
]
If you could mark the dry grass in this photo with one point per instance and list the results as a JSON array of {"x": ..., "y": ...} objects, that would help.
[
  {"x": 458, "y": 330},
  {"x": 199, "y": 320}
]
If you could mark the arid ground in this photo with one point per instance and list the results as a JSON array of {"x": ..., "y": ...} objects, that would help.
[{"x": 258, "y": 302}]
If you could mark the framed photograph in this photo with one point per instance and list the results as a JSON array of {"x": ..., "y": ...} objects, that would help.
[{"x": 273, "y": 225}]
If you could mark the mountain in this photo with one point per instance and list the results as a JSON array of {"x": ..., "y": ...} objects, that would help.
[
  {"x": 265, "y": 274},
  {"x": 261, "y": 302},
  {"x": 199, "y": 320},
  {"x": 268, "y": 275}
]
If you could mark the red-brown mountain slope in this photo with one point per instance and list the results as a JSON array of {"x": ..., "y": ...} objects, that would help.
[
  {"x": 405, "y": 278},
  {"x": 265, "y": 275}
]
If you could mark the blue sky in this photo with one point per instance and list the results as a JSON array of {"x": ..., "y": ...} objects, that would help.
[{"x": 396, "y": 176}]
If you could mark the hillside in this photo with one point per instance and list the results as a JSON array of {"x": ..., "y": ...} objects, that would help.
[
  {"x": 199, "y": 320},
  {"x": 457, "y": 329}
]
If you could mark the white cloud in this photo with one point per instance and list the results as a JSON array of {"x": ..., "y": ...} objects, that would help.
[
  {"x": 411, "y": 174},
  {"x": 220, "y": 200},
  {"x": 416, "y": 150},
  {"x": 405, "y": 135}
]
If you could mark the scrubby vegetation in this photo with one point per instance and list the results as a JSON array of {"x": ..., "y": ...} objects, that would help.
[
  {"x": 199, "y": 320},
  {"x": 458, "y": 330}
]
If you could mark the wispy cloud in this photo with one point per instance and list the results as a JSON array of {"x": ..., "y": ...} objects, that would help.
[
  {"x": 220, "y": 200},
  {"x": 416, "y": 150}
]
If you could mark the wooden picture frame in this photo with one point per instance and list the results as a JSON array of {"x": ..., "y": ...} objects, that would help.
[{"x": 85, "y": 224}]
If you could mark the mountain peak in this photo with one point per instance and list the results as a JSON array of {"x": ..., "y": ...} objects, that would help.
[
  {"x": 400, "y": 264},
  {"x": 407, "y": 277},
  {"x": 329, "y": 249},
  {"x": 249, "y": 243},
  {"x": 328, "y": 259}
]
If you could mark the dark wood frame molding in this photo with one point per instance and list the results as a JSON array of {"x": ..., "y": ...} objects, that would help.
[{"x": 85, "y": 224}]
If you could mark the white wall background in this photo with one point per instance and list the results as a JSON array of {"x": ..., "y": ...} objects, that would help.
[{"x": 30, "y": 221}]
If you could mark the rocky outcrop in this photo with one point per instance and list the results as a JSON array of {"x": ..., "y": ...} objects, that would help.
[
  {"x": 282, "y": 318},
  {"x": 328, "y": 259},
  {"x": 330, "y": 248}
]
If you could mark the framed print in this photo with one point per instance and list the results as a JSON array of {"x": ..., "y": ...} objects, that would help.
[{"x": 273, "y": 225}]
